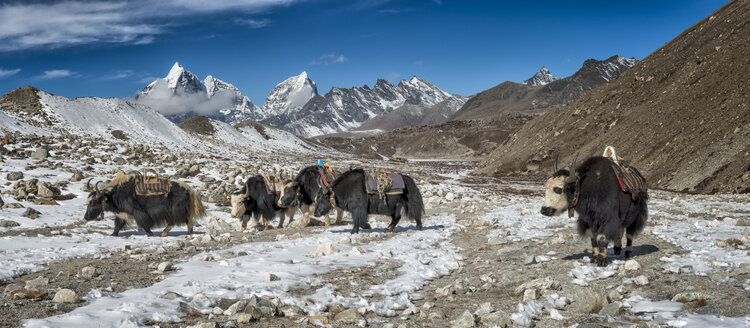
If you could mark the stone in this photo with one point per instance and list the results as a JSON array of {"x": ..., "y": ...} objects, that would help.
[
  {"x": 466, "y": 319},
  {"x": 450, "y": 196},
  {"x": 43, "y": 191},
  {"x": 8, "y": 224},
  {"x": 641, "y": 280},
  {"x": 325, "y": 249},
  {"x": 612, "y": 309},
  {"x": 37, "y": 283},
  {"x": 292, "y": 311},
  {"x": 11, "y": 288},
  {"x": 13, "y": 176},
  {"x": 743, "y": 222},
  {"x": 185, "y": 308},
  {"x": 497, "y": 240},
  {"x": 77, "y": 176},
  {"x": 348, "y": 316},
  {"x": 64, "y": 296},
  {"x": 40, "y": 153},
  {"x": 171, "y": 296},
  {"x": 235, "y": 308},
  {"x": 495, "y": 319},
  {"x": 244, "y": 318},
  {"x": 272, "y": 277},
  {"x": 345, "y": 241},
  {"x": 745, "y": 269},
  {"x": 631, "y": 265},
  {"x": 531, "y": 294},
  {"x": 204, "y": 324},
  {"x": 586, "y": 300},
  {"x": 484, "y": 308},
  {"x": 546, "y": 283},
  {"x": 88, "y": 272},
  {"x": 164, "y": 267},
  {"x": 355, "y": 251},
  {"x": 436, "y": 315},
  {"x": 688, "y": 297},
  {"x": 411, "y": 310},
  {"x": 31, "y": 213},
  {"x": 708, "y": 309}
]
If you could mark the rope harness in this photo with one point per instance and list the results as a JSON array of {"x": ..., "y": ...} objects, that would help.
[{"x": 576, "y": 195}]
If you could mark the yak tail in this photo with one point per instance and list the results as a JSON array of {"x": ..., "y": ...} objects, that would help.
[
  {"x": 414, "y": 204},
  {"x": 197, "y": 210},
  {"x": 640, "y": 223}
]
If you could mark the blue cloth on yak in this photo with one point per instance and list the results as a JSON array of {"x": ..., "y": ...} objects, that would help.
[{"x": 397, "y": 183}]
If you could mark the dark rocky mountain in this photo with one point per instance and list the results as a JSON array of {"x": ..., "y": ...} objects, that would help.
[
  {"x": 538, "y": 96},
  {"x": 681, "y": 116}
]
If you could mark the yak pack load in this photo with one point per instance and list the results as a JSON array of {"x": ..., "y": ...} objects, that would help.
[{"x": 381, "y": 182}]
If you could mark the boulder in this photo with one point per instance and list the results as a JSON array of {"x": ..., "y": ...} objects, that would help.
[{"x": 64, "y": 296}]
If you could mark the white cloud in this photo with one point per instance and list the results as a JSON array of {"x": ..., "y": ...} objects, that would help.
[
  {"x": 328, "y": 59},
  {"x": 254, "y": 23},
  {"x": 164, "y": 100},
  {"x": 8, "y": 72},
  {"x": 119, "y": 75},
  {"x": 25, "y": 25},
  {"x": 395, "y": 75},
  {"x": 56, "y": 74}
]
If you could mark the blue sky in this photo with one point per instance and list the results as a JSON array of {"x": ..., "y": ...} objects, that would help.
[{"x": 115, "y": 48}]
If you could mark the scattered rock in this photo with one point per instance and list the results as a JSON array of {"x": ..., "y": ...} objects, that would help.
[
  {"x": 348, "y": 316},
  {"x": 541, "y": 284},
  {"x": 292, "y": 311},
  {"x": 437, "y": 315},
  {"x": 37, "y": 283},
  {"x": 531, "y": 294},
  {"x": 272, "y": 277},
  {"x": 495, "y": 319},
  {"x": 641, "y": 280},
  {"x": 586, "y": 300},
  {"x": 164, "y": 267},
  {"x": 64, "y": 296},
  {"x": 171, "y": 296},
  {"x": 88, "y": 272},
  {"x": 11, "y": 288},
  {"x": 743, "y": 222},
  {"x": 325, "y": 249},
  {"x": 466, "y": 319},
  {"x": 13, "y": 176},
  {"x": 8, "y": 223},
  {"x": 204, "y": 324},
  {"x": 612, "y": 309},
  {"x": 484, "y": 308},
  {"x": 31, "y": 213},
  {"x": 40, "y": 153},
  {"x": 631, "y": 265},
  {"x": 708, "y": 309},
  {"x": 77, "y": 176}
]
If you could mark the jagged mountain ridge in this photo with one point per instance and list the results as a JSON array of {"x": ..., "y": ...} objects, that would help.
[
  {"x": 518, "y": 97},
  {"x": 345, "y": 109},
  {"x": 288, "y": 97},
  {"x": 212, "y": 97}
]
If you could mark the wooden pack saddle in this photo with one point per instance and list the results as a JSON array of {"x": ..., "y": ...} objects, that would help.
[
  {"x": 382, "y": 183},
  {"x": 630, "y": 179},
  {"x": 151, "y": 186}
]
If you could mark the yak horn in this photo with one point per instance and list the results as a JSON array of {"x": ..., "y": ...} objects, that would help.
[
  {"x": 88, "y": 184},
  {"x": 96, "y": 187},
  {"x": 573, "y": 174},
  {"x": 554, "y": 165},
  {"x": 247, "y": 189}
]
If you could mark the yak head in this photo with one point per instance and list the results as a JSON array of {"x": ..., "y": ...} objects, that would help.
[
  {"x": 555, "y": 199},
  {"x": 96, "y": 202},
  {"x": 288, "y": 194},
  {"x": 323, "y": 203}
]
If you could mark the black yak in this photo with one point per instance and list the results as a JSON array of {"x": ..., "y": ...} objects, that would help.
[
  {"x": 180, "y": 205},
  {"x": 304, "y": 188},
  {"x": 604, "y": 205},
  {"x": 257, "y": 199},
  {"x": 349, "y": 193}
]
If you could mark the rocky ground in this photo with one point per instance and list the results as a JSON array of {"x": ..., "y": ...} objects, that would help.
[{"x": 500, "y": 262}]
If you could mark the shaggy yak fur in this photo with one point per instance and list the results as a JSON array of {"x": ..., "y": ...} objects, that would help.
[
  {"x": 181, "y": 206},
  {"x": 604, "y": 210},
  {"x": 253, "y": 200},
  {"x": 304, "y": 189},
  {"x": 348, "y": 193}
]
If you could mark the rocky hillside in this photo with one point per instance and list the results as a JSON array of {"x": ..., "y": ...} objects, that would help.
[
  {"x": 468, "y": 139},
  {"x": 682, "y": 115},
  {"x": 543, "y": 91},
  {"x": 414, "y": 115}
]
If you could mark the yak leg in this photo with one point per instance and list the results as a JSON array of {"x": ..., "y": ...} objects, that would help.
[
  {"x": 119, "y": 223},
  {"x": 165, "y": 232},
  {"x": 190, "y": 227},
  {"x": 629, "y": 245},
  {"x": 307, "y": 211},
  {"x": 327, "y": 220},
  {"x": 148, "y": 232},
  {"x": 618, "y": 242},
  {"x": 339, "y": 215},
  {"x": 282, "y": 217},
  {"x": 394, "y": 221},
  {"x": 245, "y": 218},
  {"x": 360, "y": 220},
  {"x": 602, "y": 243}
]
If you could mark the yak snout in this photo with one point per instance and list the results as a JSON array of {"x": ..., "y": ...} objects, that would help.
[{"x": 548, "y": 211}]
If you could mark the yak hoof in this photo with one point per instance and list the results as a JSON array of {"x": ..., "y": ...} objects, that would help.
[
  {"x": 367, "y": 226},
  {"x": 617, "y": 250},
  {"x": 628, "y": 254},
  {"x": 243, "y": 229},
  {"x": 114, "y": 234},
  {"x": 389, "y": 229},
  {"x": 164, "y": 234},
  {"x": 280, "y": 226},
  {"x": 150, "y": 234},
  {"x": 419, "y": 227},
  {"x": 601, "y": 261}
]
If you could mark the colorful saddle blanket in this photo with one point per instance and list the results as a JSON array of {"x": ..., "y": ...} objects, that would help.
[
  {"x": 630, "y": 179},
  {"x": 381, "y": 183},
  {"x": 151, "y": 186}
]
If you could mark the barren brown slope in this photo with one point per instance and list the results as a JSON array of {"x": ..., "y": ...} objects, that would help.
[
  {"x": 682, "y": 115},
  {"x": 516, "y": 97}
]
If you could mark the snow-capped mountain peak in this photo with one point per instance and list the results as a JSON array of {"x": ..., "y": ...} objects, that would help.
[
  {"x": 289, "y": 96},
  {"x": 543, "y": 77},
  {"x": 182, "y": 81}
]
